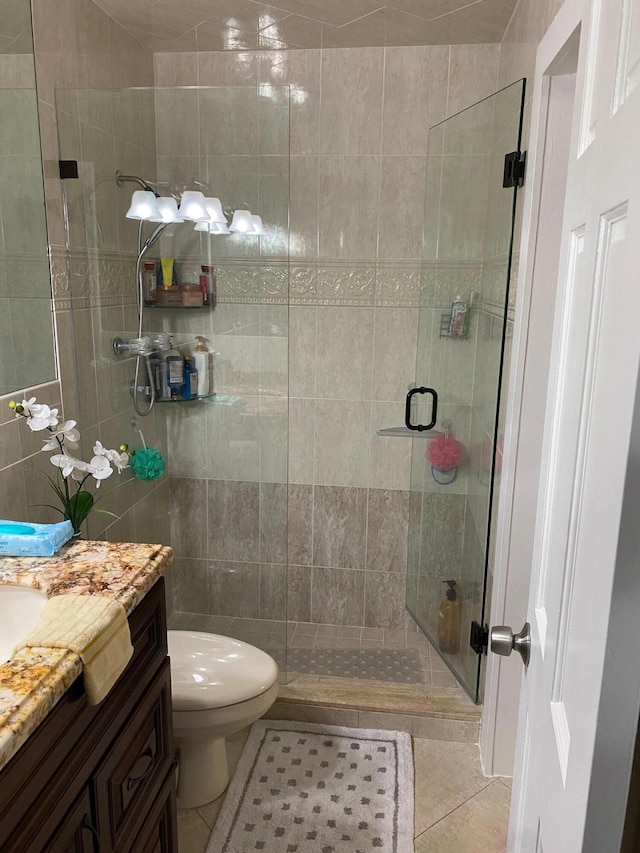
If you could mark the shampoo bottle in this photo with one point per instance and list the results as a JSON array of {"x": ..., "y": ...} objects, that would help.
[
  {"x": 449, "y": 618},
  {"x": 190, "y": 379},
  {"x": 202, "y": 358},
  {"x": 456, "y": 321},
  {"x": 207, "y": 284},
  {"x": 175, "y": 371},
  {"x": 149, "y": 284}
]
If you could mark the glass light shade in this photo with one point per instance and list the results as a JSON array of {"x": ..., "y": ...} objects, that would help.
[
  {"x": 192, "y": 206},
  {"x": 143, "y": 205},
  {"x": 219, "y": 228},
  {"x": 214, "y": 209},
  {"x": 168, "y": 210},
  {"x": 258, "y": 227},
  {"x": 212, "y": 227},
  {"x": 242, "y": 222}
]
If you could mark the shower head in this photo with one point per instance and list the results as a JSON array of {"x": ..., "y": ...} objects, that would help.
[{"x": 134, "y": 179}]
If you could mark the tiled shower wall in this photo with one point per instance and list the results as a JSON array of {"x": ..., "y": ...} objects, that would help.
[{"x": 359, "y": 123}]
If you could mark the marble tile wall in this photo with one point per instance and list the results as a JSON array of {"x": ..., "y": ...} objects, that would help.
[
  {"x": 359, "y": 122},
  {"x": 346, "y": 551}
]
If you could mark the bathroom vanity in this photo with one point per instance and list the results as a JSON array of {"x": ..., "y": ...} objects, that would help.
[{"x": 93, "y": 778}]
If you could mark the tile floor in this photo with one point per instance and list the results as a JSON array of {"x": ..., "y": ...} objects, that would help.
[{"x": 457, "y": 809}]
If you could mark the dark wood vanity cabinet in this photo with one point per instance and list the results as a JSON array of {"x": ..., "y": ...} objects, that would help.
[{"x": 96, "y": 779}]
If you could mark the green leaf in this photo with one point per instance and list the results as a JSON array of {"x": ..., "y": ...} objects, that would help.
[
  {"x": 50, "y": 506},
  {"x": 106, "y": 512},
  {"x": 78, "y": 508}
]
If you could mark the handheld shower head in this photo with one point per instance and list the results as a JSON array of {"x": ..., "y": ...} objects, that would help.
[{"x": 151, "y": 239}]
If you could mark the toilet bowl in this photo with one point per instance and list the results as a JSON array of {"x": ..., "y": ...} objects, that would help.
[{"x": 219, "y": 685}]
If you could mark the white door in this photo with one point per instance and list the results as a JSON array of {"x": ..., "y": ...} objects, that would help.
[{"x": 588, "y": 428}]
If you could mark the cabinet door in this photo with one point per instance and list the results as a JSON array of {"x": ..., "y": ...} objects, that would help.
[
  {"x": 128, "y": 780},
  {"x": 77, "y": 833},
  {"x": 160, "y": 832}
]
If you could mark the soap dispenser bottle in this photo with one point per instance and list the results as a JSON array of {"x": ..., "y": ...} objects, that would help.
[
  {"x": 449, "y": 619},
  {"x": 203, "y": 359}
]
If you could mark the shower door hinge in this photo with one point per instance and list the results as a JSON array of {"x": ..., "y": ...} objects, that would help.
[
  {"x": 479, "y": 640},
  {"x": 514, "y": 169},
  {"x": 68, "y": 169}
]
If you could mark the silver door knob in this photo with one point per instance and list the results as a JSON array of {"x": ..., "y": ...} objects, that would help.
[{"x": 504, "y": 641}]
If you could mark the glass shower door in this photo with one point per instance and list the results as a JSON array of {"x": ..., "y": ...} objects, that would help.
[
  {"x": 464, "y": 327},
  {"x": 222, "y": 502}
]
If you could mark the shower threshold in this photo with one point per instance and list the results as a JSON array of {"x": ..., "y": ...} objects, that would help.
[{"x": 355, "y": 676}]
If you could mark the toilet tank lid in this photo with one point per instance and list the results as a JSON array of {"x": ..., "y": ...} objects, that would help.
[{"x": 212, "y": 671}]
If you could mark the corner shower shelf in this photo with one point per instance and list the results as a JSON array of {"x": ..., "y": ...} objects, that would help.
[
  {"x": 445, "y": 321},
  {"x": 405, "y": 432},
  {"x": 178, "y": 307},
  {"x": 220, "y": 399}
]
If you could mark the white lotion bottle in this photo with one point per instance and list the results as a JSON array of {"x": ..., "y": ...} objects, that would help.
[{"x": 202, "y": 358}]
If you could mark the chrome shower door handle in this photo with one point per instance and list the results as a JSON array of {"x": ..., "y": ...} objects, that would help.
[
  {"x": 434, "y": 409},
  {"x": 504, "y": 641}
]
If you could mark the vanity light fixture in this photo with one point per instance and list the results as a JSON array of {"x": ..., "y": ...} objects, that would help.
[
  {"x": 214, "y": 209},
  {"x": 258, "y": 227},
  {"x": 193, "y": 207},
  {"x": 242, "y": 222},
  {"x": 245, "y": 222},
  {"x": 143, "y": 205},
  {"x": 148, "y": 205},
  {"x": 168, "y": 210},
  {"x": 212, "y": 227}
]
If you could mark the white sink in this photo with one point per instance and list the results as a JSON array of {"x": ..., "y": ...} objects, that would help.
[{"x": 20, "y": 608}]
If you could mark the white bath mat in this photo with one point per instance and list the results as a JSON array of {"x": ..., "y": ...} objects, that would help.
[{"x": 313, "y": 788}]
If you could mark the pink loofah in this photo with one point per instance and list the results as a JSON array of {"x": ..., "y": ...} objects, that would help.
[{"x": 444, "y": 453}]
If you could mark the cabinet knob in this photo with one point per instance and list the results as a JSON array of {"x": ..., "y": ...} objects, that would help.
[
  {"x": 149, "y": 758},
  {"x": 86, "y": 824}
]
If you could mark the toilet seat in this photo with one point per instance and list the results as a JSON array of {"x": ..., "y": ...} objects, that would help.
[{"x": 211, "y": 671}]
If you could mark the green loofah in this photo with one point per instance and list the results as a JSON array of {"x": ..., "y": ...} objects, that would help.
[{"x": 147, "y": 463}]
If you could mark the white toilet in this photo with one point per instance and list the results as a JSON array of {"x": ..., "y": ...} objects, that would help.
[{"x": 219, "y": 685}]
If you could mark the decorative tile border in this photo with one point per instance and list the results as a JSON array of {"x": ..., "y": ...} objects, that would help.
[
  {"x": 253, "y": 282},
  {"x": 453, "y": 279},
  {"x": 109, "y": 279},
  {"x": 400, "y": 285},
  {"x": 346, "y": 285},
  {"x": 92, "y": 280}
]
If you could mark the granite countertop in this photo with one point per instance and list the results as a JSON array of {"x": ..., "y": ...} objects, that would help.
[{"x": 35, "y": 679}]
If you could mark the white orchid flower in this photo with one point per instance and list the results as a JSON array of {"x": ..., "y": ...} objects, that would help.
[
  {"x": 120, "y": 460},
  {"x": 66, "y": 432},
  {"x": 68, "y": 463},
  {"x": 25, "y": 405},
  {"x": 80, "y": 472},
  {"x": 41, "y": 417},
  {"x": 100, "y": 469}
]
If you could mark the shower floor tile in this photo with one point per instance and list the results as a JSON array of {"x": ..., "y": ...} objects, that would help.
[
  {"x": 401, "y": 666},
  {"x": 347, "y": 651}
]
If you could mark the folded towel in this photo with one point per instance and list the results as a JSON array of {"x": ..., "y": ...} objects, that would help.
[{"x": 94, "y": 627}]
